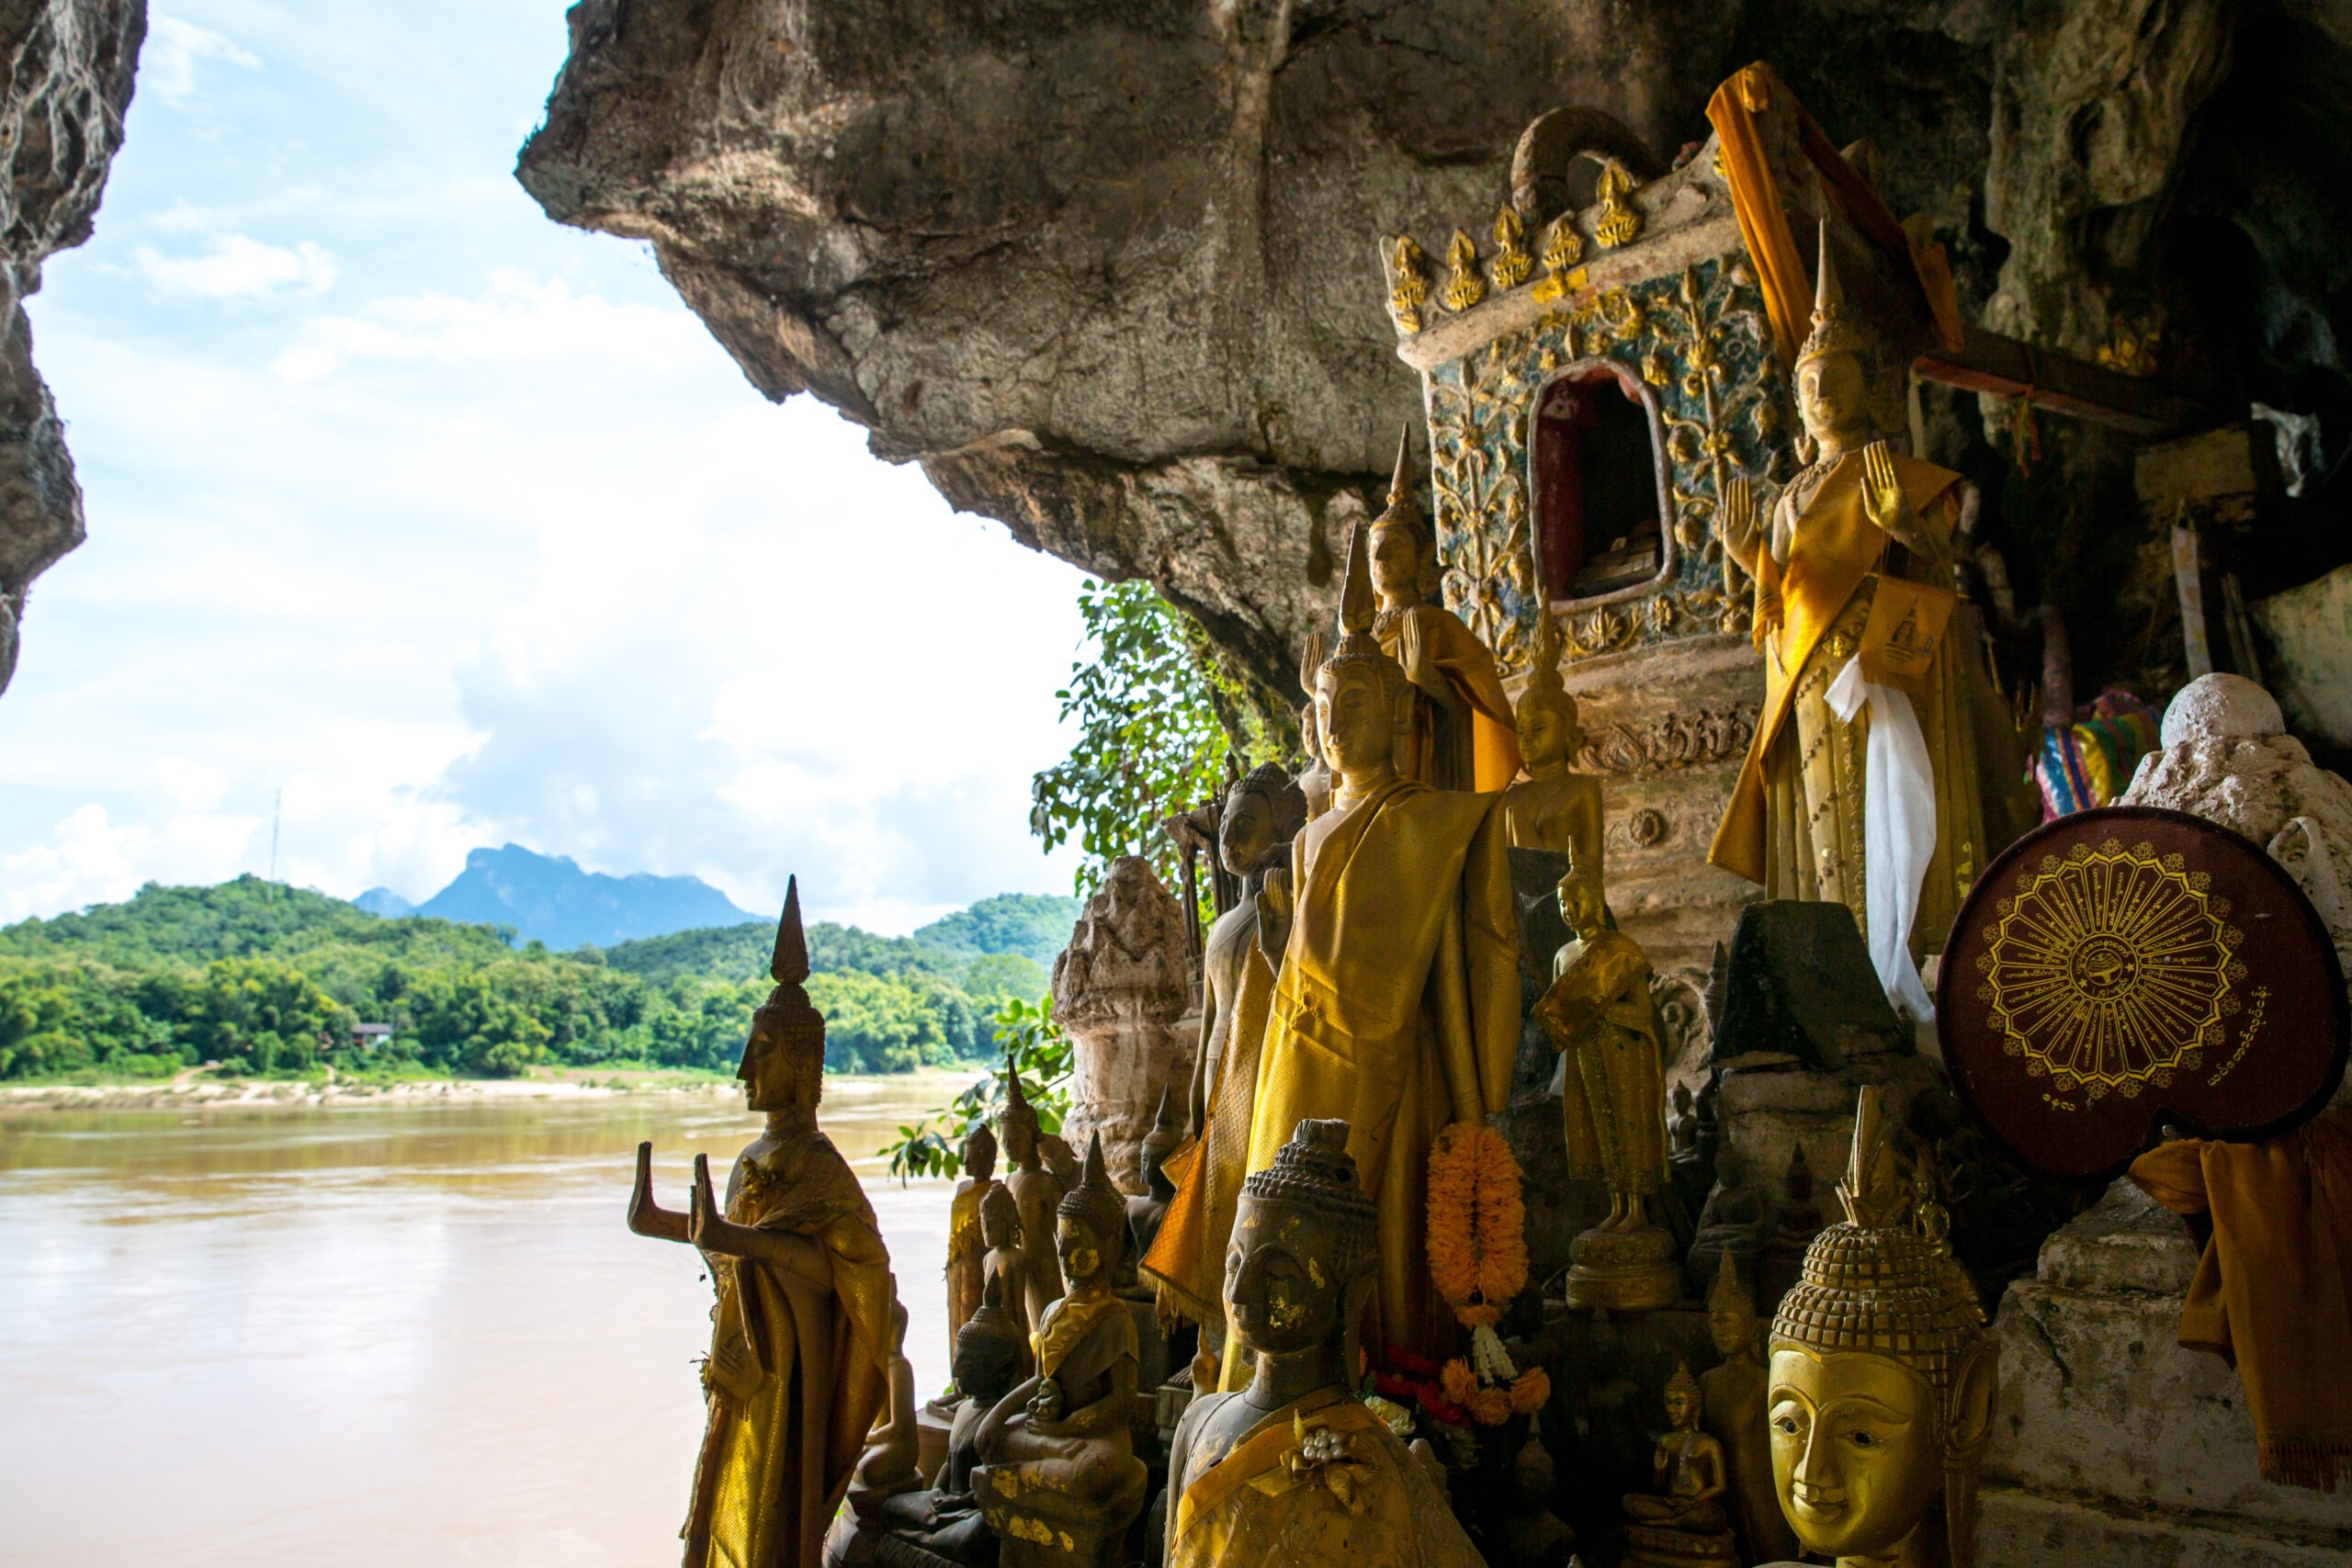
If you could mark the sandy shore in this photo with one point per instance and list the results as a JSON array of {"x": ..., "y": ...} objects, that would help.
[{"x": 193, "y": 1091}]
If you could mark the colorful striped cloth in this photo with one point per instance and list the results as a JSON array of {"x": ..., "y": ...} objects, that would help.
[{"x": 2090, "y": 761}]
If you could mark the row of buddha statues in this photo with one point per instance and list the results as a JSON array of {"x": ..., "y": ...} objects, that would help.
[{"x": 1366, "y": 991}]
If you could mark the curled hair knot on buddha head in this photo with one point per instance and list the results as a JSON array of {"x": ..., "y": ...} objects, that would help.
[
  {"x": 1315, "y": 1172},
  {"x": 1096, "y": 1202}
]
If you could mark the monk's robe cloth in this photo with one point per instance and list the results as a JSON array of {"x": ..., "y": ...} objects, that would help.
[{"x": 1475, "y": 751}]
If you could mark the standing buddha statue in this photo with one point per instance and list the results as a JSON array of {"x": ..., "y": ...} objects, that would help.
[
  {"x": 1734, "y": 1397},
  {"x": 1882, "y": 1381},
  {"x": 1838, "y": 747},
  {"x": 801, "y": 1338},
  {"x": 1005, "y": 1265},
  {"x": 1264, "y": 812},
  {"x": 1293, "y": 1470},
  {"x": 1600, "y": 1016},
  {"x": 964, "y": 1245},
  {"x": 1395, "y": 1008},
  {"x": 1459, "y": 733},
  {"x": 1059, "y": 1479},
  {"x": 1035, "y": 1189},
  {"x": 1553, "y": 808}
]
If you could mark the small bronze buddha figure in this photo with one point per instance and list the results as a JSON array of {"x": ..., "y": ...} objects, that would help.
[
  {"x": 1798, "y": 1221},
  {"x": 944, "y": 1525},
  {"x": 1682, "y": 1523},
  {"x": 1553, "y": 808},
  {"x": 1535, "y": 1536},
  {"x": 1881, "y": 1381},
  {"x": 1035, "y": 1189},
  {"x": 1059, "y": 1479},
  {"x": 1734, "y": 1394},
  {"x": 1293, "y": 1470},
  {"x": 1732, "y": 1222},
  {"x": 1004, "y": 1266},
  {"x": 964, "y": 1245}
]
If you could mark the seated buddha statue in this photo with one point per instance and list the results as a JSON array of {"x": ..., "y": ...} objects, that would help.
[
  {"x": 1294, "y": 1470},
  {"x": 889, "y": 1466},
  {"x": 1059, "y": 1481},
  {"x": 1881, "y": 1381},
  {"x": 944, "y": 1525},
  {"x": 1732, "y": 1221},
  {"x": 1681, "y": 1523}
]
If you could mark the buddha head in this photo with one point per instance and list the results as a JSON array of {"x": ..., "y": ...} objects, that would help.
[
  {"x": 783, "y": 1067},
  {"x": 1298, "y": 1271},
  {"x": 1018, "y": 1121},
  {"x": 1545, "y": 716},
  {"x": 1056, "y": 1152},
  {"x": 1581, "y": 904},
  {"x": 1000, "y": 1218},
  {"x": 1403, "y": 552},
  {"x": 1731, "y": 1317},
  {"x": 1881, "y": 1386},
  {"x": 988, "y": 1359},
  {"x": 979, "y": 1152},
  {"x": 1684, "y": 1404},
  {"x": 1264, "y": 811},
  {"x": 1157, "y": 1145},
  {"x": 1090, "y": 1226},
  {"x": 1361, "y": 693},
  {"x": 1833, "y": 384}
]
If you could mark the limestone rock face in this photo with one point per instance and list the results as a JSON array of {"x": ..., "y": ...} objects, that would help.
[
  {"x": 65, "y": 88},
  {"x": 1109, "y": 273},
  {"x": 1121, "y": 989}
]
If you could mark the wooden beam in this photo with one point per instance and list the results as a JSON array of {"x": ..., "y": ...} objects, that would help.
[{"x": 2062, "y": 384}]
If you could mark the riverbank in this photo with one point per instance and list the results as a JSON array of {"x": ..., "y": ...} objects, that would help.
[{"x": 202, "y": 1090}]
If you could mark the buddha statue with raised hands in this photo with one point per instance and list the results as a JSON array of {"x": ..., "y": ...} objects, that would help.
[
  {"x": 1458, "y": 733},
  {"x": 802, "y": 1338},
  {"x": 1682, "y": 1522},
  {"x": 1293, "y": 1470},
  {"x": 1059, "y": 1479},
  {"x": 1553, "y": 808},
  {"x": 1882, "y": 1381}
]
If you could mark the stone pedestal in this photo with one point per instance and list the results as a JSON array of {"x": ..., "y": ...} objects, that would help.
[
  {"x": 2114, "y": 1447},
  {"x": 1122, "y": 990}
]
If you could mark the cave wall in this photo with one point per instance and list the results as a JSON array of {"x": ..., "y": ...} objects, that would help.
[
  {"x": 1110, "y": 274},
  {"x": 65, "y": 79}
]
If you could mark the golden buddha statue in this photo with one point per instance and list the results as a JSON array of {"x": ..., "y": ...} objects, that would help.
[
  {"x": 801, "y": 1338},
  {"x": 1600, "y": 1016},
  {"x": 1882, "y": 1381},
  {"x": 1459, "y": 734},
  {"x": 1396, "y": 1007},
  {"x": 945, "y": 1524},
  {"x": 1035, "y": 1189},
  {"x": 1553, "y": 808},
  {"x": 1004, "y": 1265},
  {"x": 1264, "y": 812},
  {"x": 1059, "y": 1479},
  {"x": 1293, "y": 1469},
  {"x": 1681, "y": 1524},
  {"x": 1733, "y": 1397},
  {"x": 1928, "y": 754},
  {"x": 964, "y": 1245}
]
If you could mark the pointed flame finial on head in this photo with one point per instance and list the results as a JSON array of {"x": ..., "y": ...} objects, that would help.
[
  {"x": 1727, "y": 1295},
  {"x": 789, "y": 965},
  {"x": 1828, "y": 295},
  {"x": 1404, "y": 507},
  {"x": 1832, "y": 332},
  {"x": 1873, "y": 1191}
]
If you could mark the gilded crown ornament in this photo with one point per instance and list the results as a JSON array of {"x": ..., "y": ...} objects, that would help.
[
  {"x": 1832, "y": 332},
  {"x": 1464, "y": 287},
  {"x": 1411, "y": 289},
  {"x": 789, "y": 1016},
  {"x": 1511, "y": 263},
  {"x": 1620, "y": 222},
  {"x": 1357, "y": 647}
]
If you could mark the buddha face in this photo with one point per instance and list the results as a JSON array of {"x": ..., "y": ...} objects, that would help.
[
  {"x": 1351, "y": 709},
  {"x": 1733, "y": 1331},
  {"x": 987, "y": 1365},
  {"x": 979, "y": 1155},
  {"x": 1396, "y": 564},
  {"x": 766, "y": 1070},
  {"x": 1019, "y": 1136},
  {"x": 1245, "y": 835},
  {"x": 1857, "y": 1458},
  {"x": 1081, "y": 1250},
  {"x": 1580, "y": 907},
  {"x": 1682, "y": 1410},
  {"x": 1283, "y": 1288},
  {"x": 1833, "y": 399},
  {"x": 1547, "y": 734}
]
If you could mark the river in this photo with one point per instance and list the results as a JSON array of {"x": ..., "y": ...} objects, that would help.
[{"x": 394, "y": 1335}]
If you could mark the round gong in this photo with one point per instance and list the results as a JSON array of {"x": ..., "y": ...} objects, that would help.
[{"x": 2125, "y": 967}]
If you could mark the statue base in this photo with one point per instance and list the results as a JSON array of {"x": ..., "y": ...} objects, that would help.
[
  {"x": 1651, "y": 1547},
  {"x": 1623, "y": 1270}
]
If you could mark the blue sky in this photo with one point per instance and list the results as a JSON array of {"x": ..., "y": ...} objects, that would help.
[{"x": 456, "y": 525}]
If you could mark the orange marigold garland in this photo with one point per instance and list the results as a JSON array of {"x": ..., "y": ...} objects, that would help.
[{"x": 1478, "y": 1245}]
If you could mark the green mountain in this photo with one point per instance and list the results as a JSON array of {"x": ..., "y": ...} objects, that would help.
[
  {"x": 266, "y": 979},
  {"x": 1035, "y": 925}
]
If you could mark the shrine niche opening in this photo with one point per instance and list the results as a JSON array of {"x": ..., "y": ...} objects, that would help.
[{"x": 1599, "y": 481}]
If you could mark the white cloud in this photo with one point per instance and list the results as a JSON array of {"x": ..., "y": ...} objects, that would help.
[
  {"x": 237, "y": 268},
  {"x": 167, "y": 61},
  {"x": 517, "y": 319}
]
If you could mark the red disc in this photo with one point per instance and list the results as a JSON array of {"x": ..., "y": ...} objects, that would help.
[{"x": 2122, "y": 968}]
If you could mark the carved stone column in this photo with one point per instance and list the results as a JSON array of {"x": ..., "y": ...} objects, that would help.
[{"x": 1122, "y": 990}]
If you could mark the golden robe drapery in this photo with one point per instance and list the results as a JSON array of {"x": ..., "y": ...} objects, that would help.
[
  {"x": 797, "y": 1373},
  {"x": 1476, "y": 750}
]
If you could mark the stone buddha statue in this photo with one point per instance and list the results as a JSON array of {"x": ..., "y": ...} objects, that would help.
[
  {"x": 1264, "y": 812},
  {"x": 1861, "y": 523},
  {"x": 1735, "y": 1416},
  {"x": 1035, "y": 1189},
  {"x": 1148, "y": 1208},
  {"x": 964, "y": 1245},
  {"x": 1458, "y": 733},
  {"x": 943, "y": 1523},
  {"x": 1553, "y": 808},
  {"x": 1293, "y": 1470},
  {"x": 1396, "y": 1007},
  {"x": 1730, "y": 1222},
  {"x": 1797, "y": 1221},
  {"x": 1005, "y": 1262},
  {"x": 802, "y": 1340},
  {"x": 1681, "y": 1523},
  {"x": 1600, "y": 1016},
  {"x": 1059, "y": 1479},
  {"x": 890, "y": 1465},
  {"x": 1882, "y": 1381}
]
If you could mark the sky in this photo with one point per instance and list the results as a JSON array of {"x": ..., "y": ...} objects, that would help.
[{"x": 457, "y": 527}]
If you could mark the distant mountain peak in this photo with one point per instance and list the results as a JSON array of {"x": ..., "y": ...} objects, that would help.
[{"x": 548, "y": 899}]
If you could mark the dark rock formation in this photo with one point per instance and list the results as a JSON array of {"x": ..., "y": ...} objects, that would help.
[
  {"x": 67, "y": 83},
  {"x": 1108, "y": 273}
]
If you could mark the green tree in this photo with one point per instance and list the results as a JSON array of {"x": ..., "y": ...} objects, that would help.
[{"x": 1035, "y": 1050}]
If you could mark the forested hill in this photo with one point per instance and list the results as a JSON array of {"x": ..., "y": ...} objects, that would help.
[{"x": 266, "y": 979}]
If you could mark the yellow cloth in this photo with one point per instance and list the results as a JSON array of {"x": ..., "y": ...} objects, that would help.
[
  {"x": 1397, "y": 1010},
  {"x": 1264, "y": 1505},
  {"x": 797, "y": 1373},
  {"x": 1835, "y": 548},
  {"x": 2273, "y": 1293},
  {"x": 1468, "y": 667},
  {"x": 966, "y": 1252},
  {"x": 1070, "y": 1320}
]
